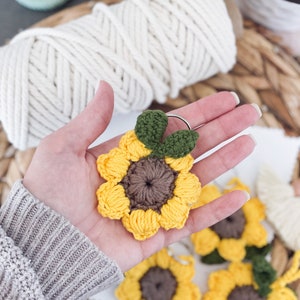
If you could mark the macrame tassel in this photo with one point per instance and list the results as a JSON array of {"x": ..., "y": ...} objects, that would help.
[
  {"x": 282, "y": 206},
  {"x": 146, "y": 49}
]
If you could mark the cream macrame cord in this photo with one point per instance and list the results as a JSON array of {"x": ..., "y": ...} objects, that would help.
[{"x": 146, "y": 49}]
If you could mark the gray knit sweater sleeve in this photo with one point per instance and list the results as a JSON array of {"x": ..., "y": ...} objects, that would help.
[{"x": 42, "y": 255}]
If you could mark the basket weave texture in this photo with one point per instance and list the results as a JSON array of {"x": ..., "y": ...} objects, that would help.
[{"x": 265, "y": 73}]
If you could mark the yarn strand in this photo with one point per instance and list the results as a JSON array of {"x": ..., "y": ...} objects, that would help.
[{"x": 291, "y": 275}]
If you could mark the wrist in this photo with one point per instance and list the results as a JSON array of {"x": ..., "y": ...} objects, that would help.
[{"x": 59, "y": 253}]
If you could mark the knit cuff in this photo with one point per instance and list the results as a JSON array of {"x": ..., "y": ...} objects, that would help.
[
  {"x": 68, "y": 265},
  {"x": 17, "y": 278}
]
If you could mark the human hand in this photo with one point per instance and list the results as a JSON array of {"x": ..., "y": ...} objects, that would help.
[{"x": 63, "y": 171}]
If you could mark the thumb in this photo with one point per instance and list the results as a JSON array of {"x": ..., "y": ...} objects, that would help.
[{"x": 93, "y": 120}]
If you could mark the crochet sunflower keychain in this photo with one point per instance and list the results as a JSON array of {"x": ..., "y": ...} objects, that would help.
[
  {"x": 148, "y": 183},
  {"x": 255, "y": 280},
  {"x": 161, "y": 276}
]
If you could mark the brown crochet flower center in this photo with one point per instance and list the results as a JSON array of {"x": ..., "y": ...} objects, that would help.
[
  {"x": 232, "y": 226},
  {"x": 158, "y": 284},
  {"x": 149, "y": 184},
  {"x": 246, "y": 292}
]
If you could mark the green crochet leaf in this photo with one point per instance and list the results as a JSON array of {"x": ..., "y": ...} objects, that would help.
[
  {"x": 264, "y": 275},
  {"x": 213, "y": 258},
  {"x": 150, "y": 127},
  {"x": 178, "y": 144},
  {"x": 252, "y": 251}
]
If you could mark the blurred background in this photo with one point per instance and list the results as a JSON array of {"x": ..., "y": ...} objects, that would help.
[{"x": 14, "y": 17}]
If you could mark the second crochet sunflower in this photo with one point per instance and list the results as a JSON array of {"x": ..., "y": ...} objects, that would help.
[
  {"x": 237, "y": 237},
  {"x": 148, "y": 183}
]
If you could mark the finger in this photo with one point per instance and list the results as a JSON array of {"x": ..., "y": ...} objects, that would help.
[
  {"x": 206, "y": 109},
  {"x": 225, "y": 127},
  {"x": 196, "y": 113},
  {"x": 209, "y": 214},
  {"x": 224, "y": 159},
  {"x": 92, "y": 121},
  {"x": 220, "y": 130}
]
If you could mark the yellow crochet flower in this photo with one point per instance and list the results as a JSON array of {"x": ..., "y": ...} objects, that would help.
[
  {"x": 252, "y": 281},
  {"x": 160, "y": 277},
  {"x": 223, "y": 284},
  {"x": 230, "y": 238},
  {"x": 148, "y": 183}
]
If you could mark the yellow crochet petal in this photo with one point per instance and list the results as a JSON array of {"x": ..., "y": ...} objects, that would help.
[
  {"x": 221, "y": 282},
  {"x": 205, "y": 241},
  {"x": 255, "y": 234},
  {"x": 137, "y": 272},
  {"x": 209, "y": 193},
  {"x": 112, "y": 201},
  {"x": 183, "y": 268},
  {"x": 129, "y": 289},
  {"x": 133, "y": 148},
  {"x": 282, "y": 294},
  {"x": 162, "y": 259},
  {"x": 236, "y": 184},
  {"x": 291, "y": 275},
  {"x": 254, "y": 210},
  {"x": 187, "y": 291},
  {"x": 142, "y": 224},
  {"x": 152, "y": 260},
  {"x": 183, "y": 164},
  {"x": 187, "y": 188},
  {"x": 113, "y": 165},
  {"x": 232, "y": 249},
  {"x": 213, "y": 295},
  {"x": 242, "y": 273},
  {"x": 174, "y": 214},
  {"x": 195, "y": 292}
]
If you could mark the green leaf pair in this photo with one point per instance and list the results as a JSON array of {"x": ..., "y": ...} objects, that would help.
[{"x": 150, "y": 128}]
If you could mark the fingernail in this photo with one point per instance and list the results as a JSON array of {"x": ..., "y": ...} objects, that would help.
[
  {"x": 253, "y": 139},
  {"x": 247, "y": 196},
  {"x": 257, "y": 109},
  {"x": 236, "y": 97},
  {"x": 98, "y": 85}
]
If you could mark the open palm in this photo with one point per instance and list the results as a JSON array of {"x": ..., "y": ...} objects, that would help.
[{"x": 63, "y": 172}]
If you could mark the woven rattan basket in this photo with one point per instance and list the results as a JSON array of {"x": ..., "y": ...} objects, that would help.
[{"x": 265, "y": 73}]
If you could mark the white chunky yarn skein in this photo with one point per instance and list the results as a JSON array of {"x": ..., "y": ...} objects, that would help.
[
  {"x": 146, "y": 49},
  {"x": 277, "y": 15}
]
